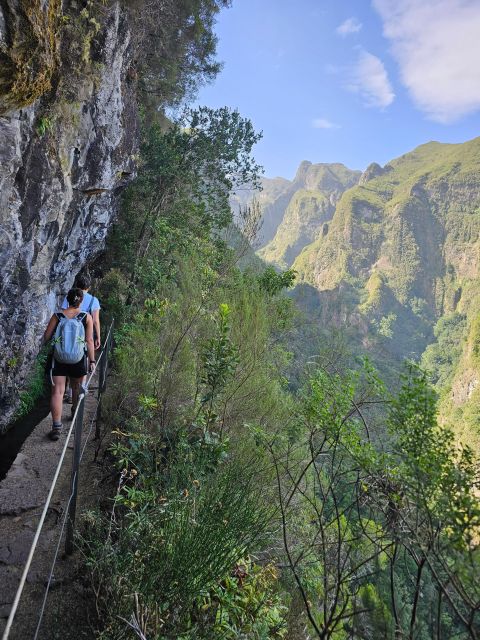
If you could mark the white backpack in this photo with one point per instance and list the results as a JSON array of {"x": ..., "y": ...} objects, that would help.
[{"x": 69, "y": 344}]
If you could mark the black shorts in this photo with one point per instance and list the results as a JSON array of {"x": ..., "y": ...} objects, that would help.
[{"x": 77, "y": 370}]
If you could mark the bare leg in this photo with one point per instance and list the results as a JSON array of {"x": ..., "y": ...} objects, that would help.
[
  {"x": 68, "y": 391},
  {"x": 75, "y": 383},
  {"x": 56, "y": 400}
]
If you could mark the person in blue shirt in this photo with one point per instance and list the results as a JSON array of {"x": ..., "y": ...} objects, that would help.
[{"x": 90, "y": 304}]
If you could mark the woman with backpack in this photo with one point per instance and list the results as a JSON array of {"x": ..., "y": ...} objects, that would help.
[
  {"x": 91, "y": 305},
  {"x": 72, "y": 333}
]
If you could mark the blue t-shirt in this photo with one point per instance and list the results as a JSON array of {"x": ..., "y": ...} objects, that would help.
[{"x": 85, "y": 306}]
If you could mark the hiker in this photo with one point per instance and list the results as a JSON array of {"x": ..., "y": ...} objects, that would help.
[
  {"x": 91, "y": 305},
  {"x": 72, "y": 333}
]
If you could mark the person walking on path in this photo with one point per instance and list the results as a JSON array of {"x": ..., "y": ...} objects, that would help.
[
  {"x": 72, "y": 333},
  {"x": 90, "y": 304}
]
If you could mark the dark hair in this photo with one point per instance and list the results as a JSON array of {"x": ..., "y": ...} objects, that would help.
[
  {"x": 75, "y": 297},
  {"x": 82, "y": 282}
]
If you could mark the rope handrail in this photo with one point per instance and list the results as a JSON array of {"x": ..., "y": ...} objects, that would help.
[{"x": 36, "y": 537}]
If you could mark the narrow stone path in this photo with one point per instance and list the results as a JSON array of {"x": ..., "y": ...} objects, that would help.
[{"x": 22, "y": 496}]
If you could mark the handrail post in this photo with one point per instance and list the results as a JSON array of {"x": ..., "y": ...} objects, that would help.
[
  {"x": 108, "y": 346},
  {"x": 102, "y": 379},
  {"x": 77, "y": 445},
  {"x": 102, "y": 372}
]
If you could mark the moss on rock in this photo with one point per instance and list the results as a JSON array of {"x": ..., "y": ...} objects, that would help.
[{"x": 29, "y": 52}]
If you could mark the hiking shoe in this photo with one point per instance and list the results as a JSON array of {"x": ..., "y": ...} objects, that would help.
[
  {"x": 55, "y": 432},
  {"x": 67, "y": 396}
]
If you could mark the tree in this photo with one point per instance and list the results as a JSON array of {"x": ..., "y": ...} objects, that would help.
[
  {"x": 333, "y": 544},
  {"x": 182, "y": 192},
  {"x": 175, "y": 46}
]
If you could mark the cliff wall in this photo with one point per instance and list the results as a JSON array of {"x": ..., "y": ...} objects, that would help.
[{"x": 68, "y": 142}]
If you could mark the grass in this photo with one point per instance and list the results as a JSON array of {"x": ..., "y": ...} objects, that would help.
[{"x": 35, "y": 386}]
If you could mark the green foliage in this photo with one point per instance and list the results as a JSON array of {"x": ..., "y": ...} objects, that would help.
[
  {"x": 247, "y": 603},
  {"x": 383, "y": 241},
  {"x": 385, "y": 325},
  {"x": 35, "y": 385},
  {"x": 44, "y": 124},
  {"x": 181, "y": 45},
  {"x": 304, "y": 212},
  {"x": 362, "y": 499},
  {"x": 441, "y": 357},
  {"x": 219, "y": 360},
  {"x": 180, "y": 198},
  {"x": 30, "y": 57},
  {"x": 179, "y": 528},
  {"x": 361, "y": 523},
  {"x": 273, "y": 282},
  {"x": 195, "y": 361}
]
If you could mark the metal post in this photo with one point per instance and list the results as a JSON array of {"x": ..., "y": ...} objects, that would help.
[
  {"x": 77, "y": 446},
  {"x": 101, "y": 373},
  {"x": 101, "y": 376},
  {"x": 105, "y": 367},
  {"x": 102, "y": 379}
]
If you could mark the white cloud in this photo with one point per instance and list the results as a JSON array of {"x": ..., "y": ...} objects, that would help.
[
  {"x": 351, "y": 25},
  {"x": 323, "y": 123},
  {"x": 368, "y": 77},
  {"x": 437, "y": 46}
]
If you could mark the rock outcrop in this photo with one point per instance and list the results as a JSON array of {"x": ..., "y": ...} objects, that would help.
[
  {"x": 303, "y": 207},
  {"x": 402, "y": 255},
  {"x": 373, "y": 171},
  {"x": 63, "y": 160}
]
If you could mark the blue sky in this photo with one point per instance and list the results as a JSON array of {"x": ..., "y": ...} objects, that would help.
[{"x": 352, "y": 81}]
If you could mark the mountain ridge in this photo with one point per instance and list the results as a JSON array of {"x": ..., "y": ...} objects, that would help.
[{"x": 400, "y": 255}]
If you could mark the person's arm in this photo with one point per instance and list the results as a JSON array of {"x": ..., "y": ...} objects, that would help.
[
  {"x": 49, "y": 331},
  {"x": 96, "y": 324},
  {"x": 89, "y": 341}
]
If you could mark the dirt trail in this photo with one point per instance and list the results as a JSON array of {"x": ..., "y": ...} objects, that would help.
[{"x": 22, "y": 497}]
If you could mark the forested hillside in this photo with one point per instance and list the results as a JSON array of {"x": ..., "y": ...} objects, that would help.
[
  {"x": 399, "y": 261},
  {"x": 315, "y": 191},
  {"x": 340, "y": 510}
]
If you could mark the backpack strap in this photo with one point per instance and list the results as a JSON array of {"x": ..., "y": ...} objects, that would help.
[
  {"x": 58, "y": 315},
  {"x": 82, "y": 317},
  {"x": 89, "y": 310}
]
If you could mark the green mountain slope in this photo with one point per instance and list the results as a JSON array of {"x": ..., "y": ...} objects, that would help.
[
  {"x": 272, "y": 199},
  {"x": 401, "y": 255},
  {"x": 311, "y": 202}
]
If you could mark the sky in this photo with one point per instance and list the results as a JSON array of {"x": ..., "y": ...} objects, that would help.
[{"x": 352, "y": 81}]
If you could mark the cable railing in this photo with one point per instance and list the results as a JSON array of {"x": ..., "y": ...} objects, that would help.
[{"x": 68, "y": 520}]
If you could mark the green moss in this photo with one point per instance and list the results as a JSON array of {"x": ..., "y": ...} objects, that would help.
[
  {"x": 29, "y": 63},
  {"x": 44, "y": 124}
]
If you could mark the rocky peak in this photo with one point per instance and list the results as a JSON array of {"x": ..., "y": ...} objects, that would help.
[
  {"x": 372, "y": 171},
  {"x": 302, "y": 171}
]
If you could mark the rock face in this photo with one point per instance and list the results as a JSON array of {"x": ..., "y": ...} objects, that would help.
[
  {"x": 401, "y": 255},
  {"x": 310, "y": 203},
  {"x": 285, "y": 213},
  {"x": 63, "y": 160},
  {"x": 372, "y": 171}
]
